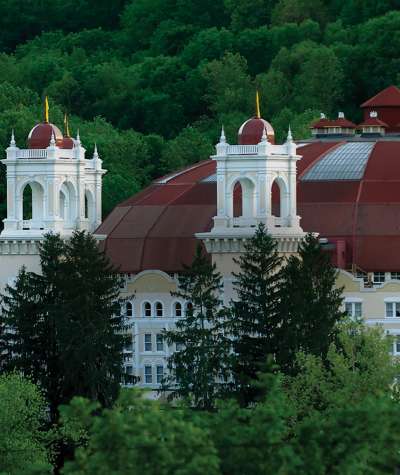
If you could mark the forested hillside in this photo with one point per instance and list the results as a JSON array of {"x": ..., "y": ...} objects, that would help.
[{"x": 151, "y": 81}]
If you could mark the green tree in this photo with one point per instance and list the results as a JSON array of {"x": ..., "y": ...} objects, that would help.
[
  {"x": 199, "y": 369},
  {"x": 138, "y": 436},
  {"x": 49, "y": 318},
  {"x": 254, "y": 319},
  {"x": 22, "y": 418},
  {"x": 357, "y": 366},
  {"x": 310, "y": 304}
]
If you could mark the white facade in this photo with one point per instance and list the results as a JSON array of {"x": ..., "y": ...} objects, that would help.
[{"x": 256, "y": 168}]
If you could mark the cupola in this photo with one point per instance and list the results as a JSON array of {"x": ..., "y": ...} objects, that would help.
[
  {"x": 251, "y": 131},
  {"x": 373, "y": 126},
  {"x": 387, "y": 105},
  {"x": 41, "y": 134}
]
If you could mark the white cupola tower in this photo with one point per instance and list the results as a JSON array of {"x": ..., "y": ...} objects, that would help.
[
  {"x": 51, "y": 186},
  {"x": 256, "y": 183}
]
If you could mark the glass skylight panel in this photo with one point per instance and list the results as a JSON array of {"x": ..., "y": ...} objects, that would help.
[{"x": 347, "y": 162}]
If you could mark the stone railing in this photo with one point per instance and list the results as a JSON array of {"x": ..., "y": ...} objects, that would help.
[{"x": 242, "y": 150}]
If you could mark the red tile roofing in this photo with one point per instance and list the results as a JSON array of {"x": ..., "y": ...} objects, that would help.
[
  {"x": 389, "y": 97},
  {"x": 155, "y": 228}
]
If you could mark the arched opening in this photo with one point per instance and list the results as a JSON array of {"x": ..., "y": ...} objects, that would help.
[
  {"x": 27, "y": 203},
  {"x": 62, "y": 205},
  {"x": 276, "y": 200},
  {"x": 147, "y": 309},
  {"x": 68, "y": 205},
  {"x": 237, "y": 200},
  {"x": 280, "y": 200},
  {"x": 129, "y": 309},
  {"x": 243, "y": 199},
  {"x": 89, "y": 207},
  {"x": 32, "y": 206},
  {"x": 159, "y": 309}
]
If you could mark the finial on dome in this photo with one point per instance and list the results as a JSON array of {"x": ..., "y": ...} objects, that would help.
[
  {"x": 222, "y": 138},
  {"x": 373, "y": 114},
  {"x": 340, "y": 115},
  {"x": 322, "y": 115},
  {"x": 66, "y": 125},
  {"x": 289, "y": 135},
  {"x": 46, "y": 110},
  {"x": 12, "y": 141},
  {"x": 258, "y": 114},
  {"x": 53, "y": 139},
  {"x": 264, "y": 137}
]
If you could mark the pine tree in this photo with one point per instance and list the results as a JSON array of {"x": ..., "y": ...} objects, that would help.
[
  {"x": 63, "y": 327},
  {"x": 310, "y": 304},
  {"x": 254, "y": 316},
  {"x": 198, "y": 370}
]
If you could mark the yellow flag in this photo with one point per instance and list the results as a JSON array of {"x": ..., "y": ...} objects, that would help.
[
  {"x": 46, "y": 110},
  {"x": 258, "y": 115}
]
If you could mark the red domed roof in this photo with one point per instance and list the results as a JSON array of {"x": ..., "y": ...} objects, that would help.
[
  {"x": 40, "y": 135},
  {"x": 251, "y": 131},
  {"x": 68, "y": 142},
  {"x": 348, "y": 191}
]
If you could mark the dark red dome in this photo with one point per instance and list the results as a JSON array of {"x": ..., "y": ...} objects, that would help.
[
  {"x": 251, "y": 131},
  {"x": 68, "y": 142},
  {"x": 40, "y": 135}
]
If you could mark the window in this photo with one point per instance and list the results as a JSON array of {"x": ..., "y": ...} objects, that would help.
[
  {"x": 129, "y": 309},
  {"x": 189, "y": 308},
  {"x": 392, "y": 309},
  {"x": 178, "y": 309},
  {"x": 159, "y": 309},
  {"x": 362, "y": 275},
  {"x": 160, "y": 373},
  {"x": 379, "y": 278},
  {"x": 179, "y": 346},
  {"x": 354, "y": 309},
  {"x": 148, "y": 375},
  {"x": 147, "y": 309},
  {"x": 395, "y": 275},
  {"x": 397, "y": 346},
  {"x": 129, "y": 370},
  {"x": 128, "y": 344},
  {"x": 147, "y": 342},
  {"x": 159, "y": 342}
]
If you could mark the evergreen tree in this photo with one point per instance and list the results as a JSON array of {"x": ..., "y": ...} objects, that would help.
[
  {"x": 310, "y": 304},
  {"x": 198, "y": 370},
  {"x": 254, "y": 317},
  {"x": 63, "y": 327}
]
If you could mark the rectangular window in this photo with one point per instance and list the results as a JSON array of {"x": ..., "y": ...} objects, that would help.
[
  {"x": 354, "y": 309},
  {"x": 397, "y": 346},
  {"x": 147, "y": 342},
  {"x": 129, "y": 370},
  {"x": 395, "y": 275},
  {"x": 160, "y": 374},
  {"x": 148, "y": 375},
  {"x": 179, "y": 346},
  {"x": 392, "y": 309},
  {"x": 379, "y": 278},
  {"x": 159, "y": 342}
]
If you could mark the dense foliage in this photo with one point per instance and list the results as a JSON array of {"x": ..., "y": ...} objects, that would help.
[
  {"x": 62, "y": 327},
  {"x": 320, "y": 422},
  {"x": 151, "y": 80}
]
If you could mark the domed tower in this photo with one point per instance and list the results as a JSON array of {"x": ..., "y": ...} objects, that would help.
[
  {"x": 251, "y": 171},
  {"x": 51, "y": 186}
]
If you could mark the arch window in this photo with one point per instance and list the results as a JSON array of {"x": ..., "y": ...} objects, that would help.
[
  {"x": 279, "y": 198},
  {"x": 189, "y": 308},
  {"x": 32, "y": 205},
  {"x": 178, "y": 309},
  {"x": 243, "y": 199},
  {"x": 147, "y": 309},
  {"x": 159, "y": 309},
  {"x": 129, "y": 309}
]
